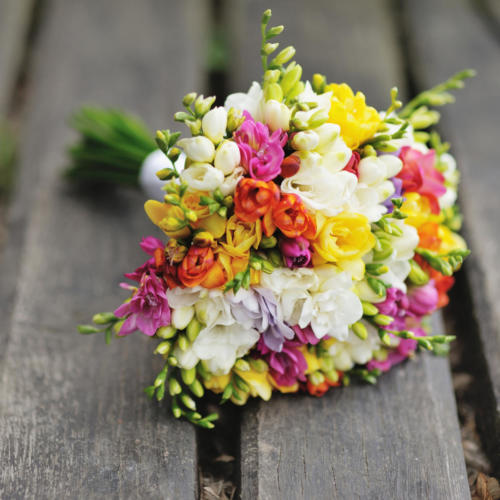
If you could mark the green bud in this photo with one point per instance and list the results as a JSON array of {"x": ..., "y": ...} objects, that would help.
[
  {"x": 275, "y": 257},
  {"x": 160, "y": 379},
  {"x": 172, "y": 361},
  {"x": 268, "y": 242},
  {"x": 103, "y": 318},
  {"x": 318, "y": 118},
  {"x": 193, "y": 329},
  {"x": 166, "y": 332},
  {"x": 383, "y": 319},
  {"x": 182, "y": 116},
  {"x": 163, "y": 348},
  {"x": 188, "y": 375},
  {"x": 272, "y": 76},
  {"x": 326, "y": 363},
  {"x": 173, "y": 154},
  {"x": 384, "y": 337},
  {"x": 360, "y": 330},
  {"x": 87, "y": 329},
  {"x": 189, "y": 99},
  {"x": 283, "y": 56},
  {"x": 205, "y": 424},
  {"x": 182, "y": 342},
  {"x": 234, "y": 119},
  {"x": 172, "y": 199},
  {"x": 118, "y": 326},
  {"x": 425, "y": 344},
  {"x": 242, "y": 365},
  {"x": 417, "y": 275},
  {"x": 202, "y": 105},
  {"x": 259, "y": 365},
  {"x": 297, "y": 89},
  {"x": 228, "y": 392},
  {"x": 266, "y": 16},
  {"x": 256, "y": 265},
  {"x": 316, "y": 378},
  {"x": 194, "y": 127},
  {"x": 267, "y": 267},
  {"x": 241, "y": 384},
  {"x": 273, "y": 91},
  {"x": 160, "y": 393},
  {"x": 376, "y": 285},
  {"x": 222, "y": 211},
  {"x": 191, "y": 215},
  {"x": 188, "y": 402},
  {"x": 174, "y": 387},
  {"x": 176, "y": 410},
  {"x": 291, "y": 77},
  {"x": 318, "y": 83},
  {"x": 376, "y": 268},
  {"x": 165, "y": 174},
  {"x": 275, "y": 31},
  {"x": 268, "y": 48},
  {"x": 369, "y": 309},
  {"x": 196, "y": 388}
]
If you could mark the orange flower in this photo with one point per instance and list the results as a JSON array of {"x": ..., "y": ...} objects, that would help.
[
  {"x": 291, "y": 217},
  {"x": 253, "y": 199},
  {"x": 320, "y": 389},
  {"x": 428, "y": 233},
  {"x": 195, "y": 266}
]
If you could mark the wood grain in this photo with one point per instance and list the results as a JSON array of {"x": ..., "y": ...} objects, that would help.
[
  {"x": 471, "y": 125},
  {"x": 74, "y": 422},
  {"x": 399, "y": 439},
  {"x": 15, "y": 16}
]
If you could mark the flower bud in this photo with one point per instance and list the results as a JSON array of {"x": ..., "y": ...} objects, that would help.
[
  {"x": 166, "y": 332},
  {"x": 242, "y": 365},
  {"x": 193, "y": 329},
  {"x": 383, "y": 319},
  {"x": 291, "y": 77},
  {"x": 198, "y": 149},
  {"x": 305, "y": 141},
  {"x": 259, "y": 365},
  {"x": 284, "y": 56},
  {"x": 360, "y": 330},
  {"x": 182, "y": 342},
  {"x": 272, "y": 91},
  {"x": 196, "y": 388},
  {"x": 227, "y": 157},
  {"x": 174, "y": 387},
  {"x": 189, "y": 99},
  {"x": 188, "y": 375},
  {"x": 194, "y": 127},
  {"x": 318, "y": 118},
  {"x": 276, "y": 115},
  {"x": 318, "y": 83},
  {"x": 234, "y": 119},
  {"x": 182, "y": 316},
  {"x": 290, "y": 166},
  {"x": 214, "y": 124},
  {"x": 163, "y": 348},
  {"x": 202, "y": 105},
  {"x": 369, "y": 309},
  {"x": 103, "y": 318}
]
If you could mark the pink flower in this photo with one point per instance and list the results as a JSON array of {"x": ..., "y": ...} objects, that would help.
[
  {"x": 261, "y": 153},
  {"x": 420, "y": 175},
  {"x": 296, "y": 251},
  {"x": 148, "y": 308},
  {"x": 423, "y": 299},
  {"x": 149, "y": 245},
  {"x": 286, "y": 367},
  {"x": 396, "y": 305},
  {"x": 306, "y": 335}
]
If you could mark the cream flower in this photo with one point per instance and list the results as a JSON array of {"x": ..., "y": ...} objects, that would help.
[
  {"x": 276, "y": 115},
  {"x": 227, "y": 157},
  {"x": 251, "y": 101},
  {"x": 198, "y": 149},
  {"x": 214, "y": 124},
  {"x": 319, "y": 297},
  {"x": 202, "y": 177}
]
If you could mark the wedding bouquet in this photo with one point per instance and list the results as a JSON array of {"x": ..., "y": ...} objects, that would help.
[{"x": 305, "y": 236}]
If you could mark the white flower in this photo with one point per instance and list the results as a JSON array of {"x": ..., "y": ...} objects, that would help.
[
  {"x": 305, "y": 141},
  {"x": 354, "y": 350},
  {"x": 323, "y": 101},
  {"x": 199, "y": 149},
  {"x": 318, "y": 187},
  {"x": 276, "y": 115},
  {"x": 405, "y": 244},
  {"x": 448, "y": 199},
  {"x": 148, "y": 180},
  {"x": 227, "y": 157},
  {"x": 231, "y": 180},
  {"x": 250, "y": 101},
  {"x": 319, "y": 297},
  {"x": 202, "y": 176},
  {"x": 214, "y": 125},
  {"x": 182, "y": 316},
  {"x": 334, "y": 151},
  {"x": 221, "y": 345}
]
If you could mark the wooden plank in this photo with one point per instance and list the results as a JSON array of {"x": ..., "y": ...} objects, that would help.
[
  {"x": 15, "y": 16},
  {"x": 74, "y": 422},
  {"x": 399, "y": 439},
  {"x": 472, "y": 126}
]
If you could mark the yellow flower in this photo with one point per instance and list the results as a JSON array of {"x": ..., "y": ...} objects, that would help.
[
  {"x": 418, "y": 210},
  {"x": 169, "y": 218},
  {"x": 358, "y": 122},
  {"x": 258, "y": 382},
  {"x": 233, "y": 265},
  {"x": 241, "y": 236},
  {"x": 284, "y": 389},
  {"x": 214, "y": 224},
  {"x": 313, "y": 364},
  {"x": 450, "y": 240},
  {"x": 343, "y": 239},
  {"x": 217, "y": 384}
]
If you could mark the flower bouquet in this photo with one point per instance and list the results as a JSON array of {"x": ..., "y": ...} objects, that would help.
[{"x": 306, "y": 236}]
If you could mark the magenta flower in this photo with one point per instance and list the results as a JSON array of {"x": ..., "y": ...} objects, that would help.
[
  {"x": 149, "y": 245},
  {"x": 423, "y": 299},
  {"x": 286, "y": 367},
  {"x": 396, "y": 305},
  {"x": 296, "y": 251},
  {"x": 306, "y": 335},
  {"x": 148, "y": 308},
  {"x": 261, "y": 153}
]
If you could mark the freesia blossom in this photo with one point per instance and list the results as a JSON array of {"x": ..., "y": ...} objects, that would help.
[
  {"x": 320, "y": 297},
  {"x": 423, "y": 299},
  {"x": 276, "y": 115},
  {"x": 261, "y": 153},
  {"x": 214, "y": 124},
  {"x": 250, "y": 101},
  {"x": 202, "y": 177},
  {"x": 227, "y": 157},
  {"x": 198, "y": 149},
  {"x": 296, "y": 251},
  {"x": 254, "y": 199},
  {"x": 148, "y": 309}
]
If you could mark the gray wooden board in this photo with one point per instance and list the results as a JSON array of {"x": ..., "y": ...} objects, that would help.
[
  {"x": 472, "y": 126},
  {"x": 399, "y": 439},
  {"x": 74, "y": 422},
  {"x": 15, "y": 18}
]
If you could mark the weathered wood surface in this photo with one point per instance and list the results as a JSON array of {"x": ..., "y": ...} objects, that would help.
[
  {"x": 399, "y": 439},
  {"x": 471, "y": 125},
  {"x": 15, "y": 16},
  {"x": 74, "y": 422}
]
